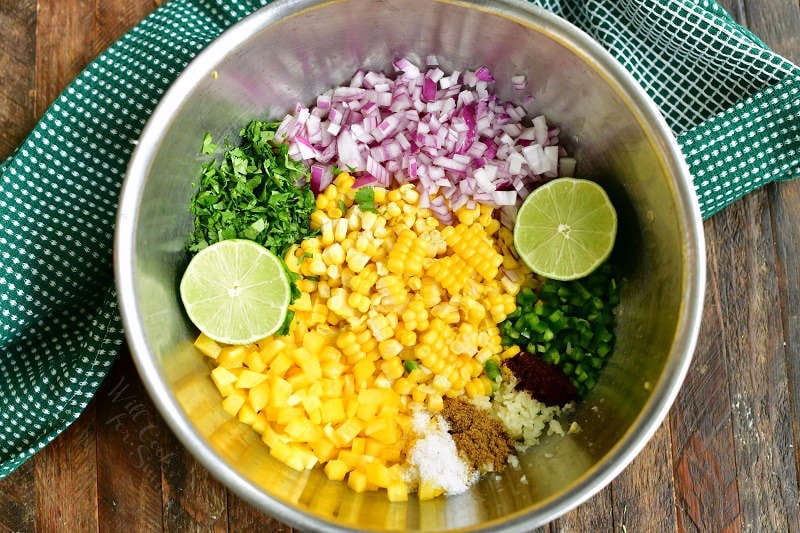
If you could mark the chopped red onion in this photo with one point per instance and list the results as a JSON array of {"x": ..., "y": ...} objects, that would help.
[
  {"x": 447, "y": 133},
  {"x": 483, "y": 74},
  {"x": 321, "y": 177}
]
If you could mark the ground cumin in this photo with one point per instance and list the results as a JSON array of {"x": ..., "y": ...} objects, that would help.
[{"x": 479, "y": 438}]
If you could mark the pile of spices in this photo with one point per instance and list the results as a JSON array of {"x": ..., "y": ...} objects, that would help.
[
  {"x": 477, "y": 435},
  {"x": 546, "y": 382}
]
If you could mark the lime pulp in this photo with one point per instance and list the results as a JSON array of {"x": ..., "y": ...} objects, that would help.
[
  {"x": 236, "y": 291},
  {"x": 565, "y": 229}
]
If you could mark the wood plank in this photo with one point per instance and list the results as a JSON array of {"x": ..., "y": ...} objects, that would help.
[
  {"x": 17, "y": 508},
  {"x": 767, "y": 481},
  {"x": 115, "y": 17},
  {"x": 64, "y": 46},
  {"x": 785, "y": 199},
  {"x": 192, "y": 499},
  {"x": 777, "y": 22},
  {"x": 702, "y": 430},
  {"x": 646, "y": 485},
  {"x": 736, "y": 10},
  {"x": 17, "y": 56},
  {"x": 595, "y": 515},
  {"x": 128, "y": 453},
  {"x": 68, "y": 466},
  {"x": 244, "y": 518}
]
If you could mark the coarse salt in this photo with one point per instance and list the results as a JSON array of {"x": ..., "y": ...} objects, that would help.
[{"x": 434, "y": 457}]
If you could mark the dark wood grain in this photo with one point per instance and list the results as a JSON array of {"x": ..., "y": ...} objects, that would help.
[
  {"x": 726, "y": 459},
  {"x": 243, "y": 517},
  {"x": 597, "y": 515},
  {"x": 17, "y": 507},
  {"x": 781, "y": 28},
  {"x": 128, "y": 453},
  {"x": 701, "y": 426},
  {"x": 191, "y": 498},
  {"x": 115, "y": 17},
  {"x": 17, "y": 75},
  {"x": 64, "y": 37},
  {"x": 767, "y": 483},
  {"x": 786, "y": 214},
  {"x": 68, "y": 467},
  {"x": 777, "y": 22}
]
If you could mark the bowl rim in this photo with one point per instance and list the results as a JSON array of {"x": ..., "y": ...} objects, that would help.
[{"x": 685, "y": 337}]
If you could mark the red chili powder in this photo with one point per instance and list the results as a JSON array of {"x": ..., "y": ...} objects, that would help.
[{"x": 546, "y": 382}]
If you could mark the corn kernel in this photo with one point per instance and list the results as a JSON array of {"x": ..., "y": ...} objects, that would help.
[
  {"x": 358, "y": 301},
  {"x": 333, "y": 254},
  {"x": 368, "y": 219},
  {"x": 340, "y": 229},
  {"x": 389, "y": 348},
  {"x": 317, "y": 219},
  {"x": 392, "y": 368},
  {"x": 333, "y": 273},
  {"x": 435, "y": 403},
  {"x": 379, "y": 195},
  {"x": 344, "y": 181},
  {"x": 311, "y": 245},
  {"x": 356, "y": 261},
  {"x": 317, "y": 266},
  {"x": 326, "y": 231}
]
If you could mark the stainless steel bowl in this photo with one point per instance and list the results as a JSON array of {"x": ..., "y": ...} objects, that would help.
[{"x": 291, "y": 51}]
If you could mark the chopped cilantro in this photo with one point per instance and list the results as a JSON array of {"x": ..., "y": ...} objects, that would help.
[
  {"x": 365, "y": 198},
  {"x": 342, "y": 206},
  {"x": 208, "y": 146},
  {"x": 255, "y": 191}
]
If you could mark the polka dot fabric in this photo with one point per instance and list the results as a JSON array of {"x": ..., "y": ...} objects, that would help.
[{"x": 733, "y": 104}]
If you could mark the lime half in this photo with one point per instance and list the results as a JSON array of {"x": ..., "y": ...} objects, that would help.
[
  {"x": 565, "y": 228},
  {"x": 236, "y": 291}
]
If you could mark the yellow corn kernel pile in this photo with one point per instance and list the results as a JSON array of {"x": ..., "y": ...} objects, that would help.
[{"x": 378, "y": 289}]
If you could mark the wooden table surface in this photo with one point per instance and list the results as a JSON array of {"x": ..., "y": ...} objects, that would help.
[{"x": 727, "y": 457}]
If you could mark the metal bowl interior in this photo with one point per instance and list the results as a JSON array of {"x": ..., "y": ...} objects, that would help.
[{"x": 293, "y": 50}]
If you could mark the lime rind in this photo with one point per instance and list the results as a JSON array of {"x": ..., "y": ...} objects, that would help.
[
  {"x": 577, "y": 208},
  {"x": 236, "y": 292}
]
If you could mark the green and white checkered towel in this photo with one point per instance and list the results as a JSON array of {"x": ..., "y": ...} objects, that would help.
[{"x": 733, "y": 103}]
